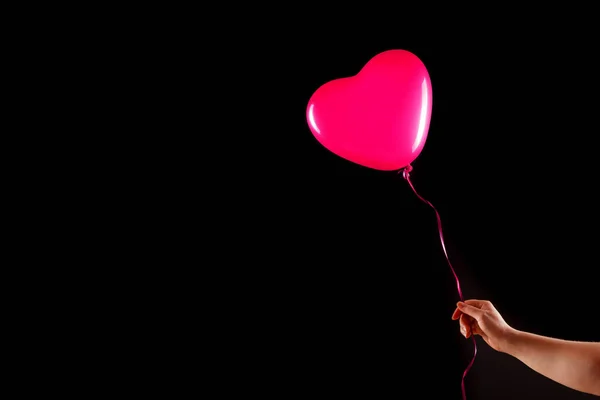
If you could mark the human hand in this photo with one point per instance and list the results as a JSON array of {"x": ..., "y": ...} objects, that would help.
[{"x": 480, "y": 317}]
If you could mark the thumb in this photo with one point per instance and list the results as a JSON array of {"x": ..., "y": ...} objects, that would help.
[{"x": 471, "y": 311}]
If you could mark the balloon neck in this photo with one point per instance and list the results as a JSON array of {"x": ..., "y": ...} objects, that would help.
[{"x": 406, "y": 171}]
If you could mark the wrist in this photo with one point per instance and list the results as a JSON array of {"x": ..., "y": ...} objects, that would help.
[{"x": 510, "y": 341}]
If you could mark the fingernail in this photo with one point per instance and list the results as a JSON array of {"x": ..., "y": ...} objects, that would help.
[
  {"x": 462, "y": 330},
  {"x": 460, "y": 304}
]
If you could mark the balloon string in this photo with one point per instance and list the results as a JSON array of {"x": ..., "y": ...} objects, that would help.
[{"x": 406, "y": 175}]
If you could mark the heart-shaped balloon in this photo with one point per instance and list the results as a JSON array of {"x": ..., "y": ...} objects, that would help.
[{"x": 378, "y": 118}]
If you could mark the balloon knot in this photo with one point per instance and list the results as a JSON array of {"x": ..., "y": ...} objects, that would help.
[{"x": 406, "y": 171}]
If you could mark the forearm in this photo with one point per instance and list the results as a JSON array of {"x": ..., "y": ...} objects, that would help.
[{"x": 573, "y": 364}]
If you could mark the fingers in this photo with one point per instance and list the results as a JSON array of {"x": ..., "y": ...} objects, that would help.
[
  {"x": 477, "y": 303},
  {"x": 465, "y": 325},
  {"x": 477, "y": 331},
  {"x": 471, "y": 302},
  {"x": 470, "y": 310},
  {"x": 456, "y": 314}
]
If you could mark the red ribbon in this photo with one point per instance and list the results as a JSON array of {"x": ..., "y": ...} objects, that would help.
[{"x": 406, "y": 175}]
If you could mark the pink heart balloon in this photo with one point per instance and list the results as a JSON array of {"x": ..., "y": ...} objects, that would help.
[{"x": 378, "y": 118}]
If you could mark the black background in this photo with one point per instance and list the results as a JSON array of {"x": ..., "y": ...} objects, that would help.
[
  {"x": 350, "y": 269},
  {"x": 330, "y": 279}
]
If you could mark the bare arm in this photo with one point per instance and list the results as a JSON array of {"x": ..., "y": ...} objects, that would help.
[{"x": 573, "y": 364}]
